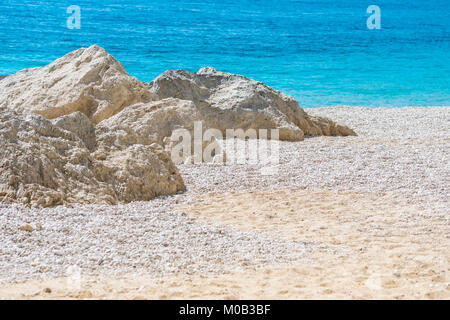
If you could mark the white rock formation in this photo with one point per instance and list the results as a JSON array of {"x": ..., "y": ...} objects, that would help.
[
  {"x": 91, "y": 81},
  {"x": 88, "y": 80},
  {"x": 232, "y": 101},
  {"x": 152, "y": 123},
  {"x": 220, "y": 101},
  {"x": 45, "y": 165},
  {"x": 107, "y": 136}
]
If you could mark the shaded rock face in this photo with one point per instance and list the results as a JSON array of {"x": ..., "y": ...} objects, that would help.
[
  {"x": 151, "y": 123},
  {"x": 88, "y": 80},
  {"x": 232, "y": 101},
  {"x": 80, "y": 125},
  {"x": 147, "y": 123},
  {"x": 43, "y": 164}
]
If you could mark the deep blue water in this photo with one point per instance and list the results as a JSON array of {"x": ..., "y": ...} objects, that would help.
[{"x": 321, "y": 52}]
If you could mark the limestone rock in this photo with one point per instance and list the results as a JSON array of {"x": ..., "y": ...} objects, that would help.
[
  {"x": 81, "y": 130},
  {"x": 79, "y": 124},
  {"x": 45, "y": 165},
  {"x": 139, "y": 172},
  {"x": 88, "y": 80},
  {"x": 153, "y": 123},
  {"x": 234, "y": 101},
  {"x": 147, "y": 123}
]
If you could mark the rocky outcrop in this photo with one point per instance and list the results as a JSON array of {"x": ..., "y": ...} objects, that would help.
[
  {"x": 88, "y": 80},
  {"x": 151, "y": 123},
  {"x": 91, "y": 81},
  {"x": 81, "y": 130},
  {"x": 219, "y": 101},
  {"x": 43, "y": 164},
  {"x": 3, "y": 76},
  {"x": 233, "y": 101}
]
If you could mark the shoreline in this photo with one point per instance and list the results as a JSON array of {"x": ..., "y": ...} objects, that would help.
[{"x": 366, "y": 107}]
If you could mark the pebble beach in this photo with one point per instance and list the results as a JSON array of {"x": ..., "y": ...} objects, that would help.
[{"x": 361, "y": 216}]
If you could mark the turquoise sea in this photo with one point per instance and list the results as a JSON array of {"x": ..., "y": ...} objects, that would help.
[{"x": 321, "y": 52}]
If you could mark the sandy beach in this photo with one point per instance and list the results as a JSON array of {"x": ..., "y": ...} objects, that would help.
[{"x": 358, "y": 217}]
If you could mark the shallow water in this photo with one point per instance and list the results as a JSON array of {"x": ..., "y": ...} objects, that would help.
[{"x": 321, "y": 52}]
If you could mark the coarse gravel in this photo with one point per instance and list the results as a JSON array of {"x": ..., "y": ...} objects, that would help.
[{"x": 402, "y": 151}]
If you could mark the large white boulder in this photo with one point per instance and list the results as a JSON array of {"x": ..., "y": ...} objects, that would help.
[
  {"x": 88, "y": 80},
  {"x": 229, "y": 101},
  {"x": 43, "y": 164}
]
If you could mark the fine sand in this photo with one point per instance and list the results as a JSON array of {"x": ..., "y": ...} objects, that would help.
[{"x": 361, "y": 217}]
